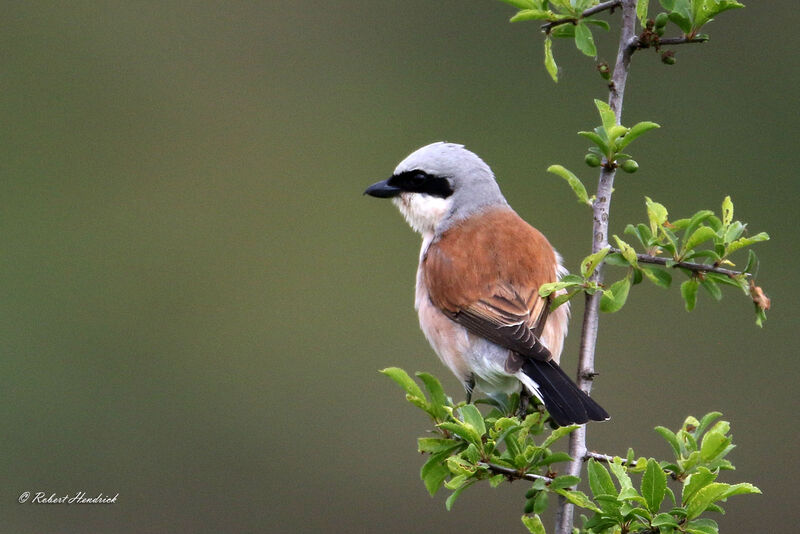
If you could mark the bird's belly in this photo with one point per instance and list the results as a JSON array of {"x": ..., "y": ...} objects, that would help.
[{"x": 466, "y": 355}]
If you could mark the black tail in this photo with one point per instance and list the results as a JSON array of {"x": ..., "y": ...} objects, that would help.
[{"x": 566, "y": 402}]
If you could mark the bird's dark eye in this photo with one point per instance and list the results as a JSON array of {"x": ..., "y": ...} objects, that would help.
[
  {"x": 417, "y": 181},
  {"x": 418, "y": 178}
]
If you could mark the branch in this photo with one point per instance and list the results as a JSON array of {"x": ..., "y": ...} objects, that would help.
[
  {"x": 696, "y": 267},
  {"x": 599, "y": 8},
  {"x": 682, "y": 40},
  {"x": 514, "y": 474},
  {"x": 598, "y": 457},
  {"x": 600, "y": 208}
]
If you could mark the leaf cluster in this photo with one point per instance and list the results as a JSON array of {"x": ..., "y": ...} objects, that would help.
[
  {"x": 465, "y": 447},
  {"x": 609, "y": 139},
  {"x": 570, "y": 19},
  {"x": 695, "y": 245},
  {"x": 704, "y": 239},
  {"x": 691, "y": 15},
  {"x": 565, "y": 19},
  {"x": 699, "y": 450}
]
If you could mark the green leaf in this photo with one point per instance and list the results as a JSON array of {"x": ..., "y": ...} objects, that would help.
[
  {"x": 522, "y": 4},
  {"x": 713, "y": 445},
  {"x": 654, "y": 485},
  {"x": 635, "y": 131},
  {"x": 549, "y": 60},
  {"x": 702, "y": 526},
  {"x": 704, "y": 497},
  {"x": 622, "y": 477},
  {"x": 630, "y": 494},
  {"x": 473, "y": 418},
  {"x": 713, "y": 492},
  {"x": 752, "y": 262},
  {"x": 452, "y": 498},
  {"x": 533, "y": 524},
  {"x": 599, "y": 480},
  {"x": 698, "y": 237},
  {"x": 641, "y": 10},
  {"x": 693, "y": 223},
  {"x": 557, "y": 434},
  {"x": 599, "y": 141},
  {"x": 573, "y": 181},
  {"x": 733, "y": 232},
  {"x": 727, "y": 211},
  {"x": 433, "y": 473},
  {"x": 682, "y": 22},
  {"x": 606, "y": 114},
  {"x": 659, "y": 277},
  {"x": 459, "y": 467},
  {"x": 705, "y": 10},
  {"x": 656, "y": 213},
  {"x": 689, "y": 292},
  {"x": 669, "y": 492},
  {"x": 614, "y": 298},
  {"x": 532, "y": 14},
  {"x": 707, "y": 419},
  {"x": 712, "y": 288},
  {"x": 627, "y": 252},
  {"x": 615, "y": 133},
  {"x": 465, "y": 432},
  {"x": 636, "y": 232},
  {"x": 743, "y": 488},
  {"x": 540, "y": 503},
  {"x": 561, "y": 299},
  {"x": 549, "y": 288},
  {"x": 596, "y": 22},
  {"x": 616, "y": 259},
  {"x": 584, "y": 41},
  {"x": 564, "y": 481},
  {"x": 579, "y": 498},
  {"x": 590, "y": 262},
  {"x": 664, "y": 520},
  {"x": 564, "y": 31},
  {"x": 438, "y": 397},
  {"x": 404, "y": 381},
  {"x": 696, "y": 481},
  {"x": 747, "y": 241}
]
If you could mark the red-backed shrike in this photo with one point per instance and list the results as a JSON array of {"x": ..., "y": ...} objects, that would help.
[{"x": 478, "y": 281}]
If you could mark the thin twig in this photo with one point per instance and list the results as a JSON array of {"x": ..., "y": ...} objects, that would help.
[
  {"x": 577, "y": 439},
  {"x": 599, "y": 8},
  {"x": 514, "y": 473},
  {"x": 681, "y": 40},
  {"x": 696, "y": 267},
  {"x": 599, "y": 457}
]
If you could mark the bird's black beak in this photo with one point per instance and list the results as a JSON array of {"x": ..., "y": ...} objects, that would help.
[{"x": 383, "y": 190}]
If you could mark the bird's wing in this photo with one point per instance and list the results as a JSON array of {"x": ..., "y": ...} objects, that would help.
[
  {"x": 485, "y": 275},
  {"x": 510, "y": 323}
]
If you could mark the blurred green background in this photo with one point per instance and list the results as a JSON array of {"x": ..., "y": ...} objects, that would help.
[{"x": 196, "y": 297}]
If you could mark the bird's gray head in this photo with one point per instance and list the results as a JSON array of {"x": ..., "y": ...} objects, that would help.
[{"x": 439, "y": 185}]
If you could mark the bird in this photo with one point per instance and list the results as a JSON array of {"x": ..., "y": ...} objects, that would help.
[{"x": 477, "y": 283}]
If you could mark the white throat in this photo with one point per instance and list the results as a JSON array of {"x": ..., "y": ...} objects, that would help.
[{"x": 423, "y": 212}]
